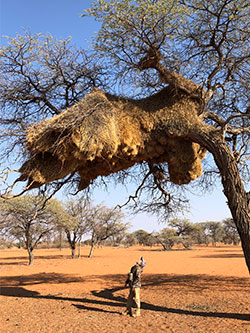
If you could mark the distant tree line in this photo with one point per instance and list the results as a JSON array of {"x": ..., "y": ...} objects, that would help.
[
  {"x": 31, "y": 221},
  {"x": 186, "y": 233}
]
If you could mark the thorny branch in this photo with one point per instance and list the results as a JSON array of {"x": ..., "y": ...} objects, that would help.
[{"x": 137, "y": 192}]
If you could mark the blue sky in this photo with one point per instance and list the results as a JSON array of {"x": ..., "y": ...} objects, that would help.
[{"x": 61, "y": 19}]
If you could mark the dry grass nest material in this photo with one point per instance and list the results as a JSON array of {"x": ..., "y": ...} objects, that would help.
[{"x": 103, "y": 134}]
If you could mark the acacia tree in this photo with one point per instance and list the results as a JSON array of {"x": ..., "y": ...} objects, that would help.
[
  {"x": 41, "y": 76},
  {"x": 144, "y": 238},
  {"x": 104, "y": 223},
  {"x": 201, "y": 235},
  {"x": 27, "y": 220},
  {"x": 130, "y": 239},
  {"x": 214, "y": 231},
  {"x": 167, "y": 238},
  {"x": 230, "y": 232},
  {"x": 187, "y": 231},
  {"x": 199, "y": 49},
  {"x": 182, "y": 227},
  {"x": 79, "y": 210}
]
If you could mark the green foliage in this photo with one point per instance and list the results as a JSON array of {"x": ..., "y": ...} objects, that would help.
[
  {"x": 230, "y": 233},
  {"x": 28, "y": 220},
  {"x": 24, "y": 218},
  {"x": 105, "y": 223},
  {"x": 73, "y": 220},
  {"x": 130, "y": 239},
  {"x": 130, "y": 28},
  {"x": 144, "y": 238},
  {"x": 182, "y": 227},
  {"x": 49, "y": 72},
  {"x": 40, "y": 77},
  {"x": 214, "y": 230},
  {"x": 204, "y": 40},
  {"x": 167, "y": 238}
]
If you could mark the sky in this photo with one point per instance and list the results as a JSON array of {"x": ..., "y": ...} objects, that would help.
[{"x": 61, "y": 18}]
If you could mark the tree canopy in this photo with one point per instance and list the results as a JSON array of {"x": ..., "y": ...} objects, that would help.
[{"x": 28, "y": 220}]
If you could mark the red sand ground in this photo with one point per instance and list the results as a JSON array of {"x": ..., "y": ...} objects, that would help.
[{"x": 200, "y": 290}]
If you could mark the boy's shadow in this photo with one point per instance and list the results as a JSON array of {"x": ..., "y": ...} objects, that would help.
[{"x": 108, "y": 294}]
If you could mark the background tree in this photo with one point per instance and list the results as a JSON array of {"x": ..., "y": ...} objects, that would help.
[
  {"x": 167, "y": 238},
  {"x": 188, "y": 232},
  {"x": 117, "y": 239},
  {"x": 202, "y": 236},
  {"x": 27, "y": 220},
  {"x": 183, "y": 227},
  {"x": 104, "y": 223},
  {"x": 79, "y": 211},
  {"x": 72, "y": 218},
  {"x": 198, "y": 49},
  {"x": 130, "y": 239},
  {"x": 230, "y": 234},
  {"x": 7, "y": 244},
  {"x": 214, "y": 231},
  {"x": 144, "y": 238}
]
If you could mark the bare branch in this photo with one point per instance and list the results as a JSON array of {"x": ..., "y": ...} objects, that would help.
[{"x": 137, "y": 192}]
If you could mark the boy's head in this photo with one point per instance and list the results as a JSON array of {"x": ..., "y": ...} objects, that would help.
[{"x": 141, "y": 262}]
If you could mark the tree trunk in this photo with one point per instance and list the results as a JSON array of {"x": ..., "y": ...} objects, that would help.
[
  {"x": 165, "y": 248},
  {"x": 79, "y": 249},
  {"x": 232, "y": 184},
  {"x": 60, "y": 240},
  {"x": 73, "y": 252},
  {"x": 91, "y": 251},
  {"x": 31, "y": 256}
]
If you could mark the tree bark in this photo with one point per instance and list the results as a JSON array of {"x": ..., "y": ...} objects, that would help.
[
  {"x": 73, "y": 252},
  {"x": 31, "y": 256},
  {"x": 79, "y": 249},
  {"x": 91, "y": 251},
  {"x": 233, "y": 186},
  {"x": 60, "y": 240}
]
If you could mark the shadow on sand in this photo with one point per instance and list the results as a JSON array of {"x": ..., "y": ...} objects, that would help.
[
  {"x": 223, "y": 256},
  {"x": 24, "y": 259},
  {"x": 108, "y": 301},
  {"x": 33, "y": 279}
]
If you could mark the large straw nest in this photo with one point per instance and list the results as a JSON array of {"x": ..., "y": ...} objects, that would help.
[{"x": 103, "y": 134}]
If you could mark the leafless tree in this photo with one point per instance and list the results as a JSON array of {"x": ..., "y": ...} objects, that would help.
[
  {"x": 103, "y": 224},
  {"x": 79, "y": 211}
]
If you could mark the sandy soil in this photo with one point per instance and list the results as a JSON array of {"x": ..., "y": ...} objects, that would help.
[{"x": 200, "y": 290}]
